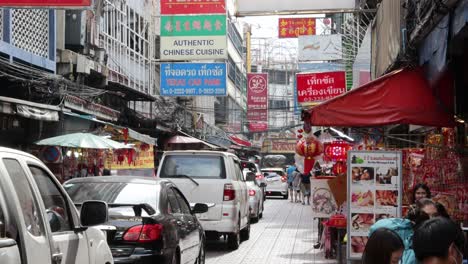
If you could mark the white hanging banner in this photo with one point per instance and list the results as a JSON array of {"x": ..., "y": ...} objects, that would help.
[
  {"x": 320, "y": 48},
  {"x": 249, "y": 7}
]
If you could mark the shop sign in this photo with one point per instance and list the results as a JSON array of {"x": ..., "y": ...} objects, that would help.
[
  {"x": 193, "y": 79},
  {"x": 193, "y": 37},
  {"x": 51, "y": 154},
  {"x": 249, "y": 7},
  {"x": 258, "y": 126},
  {"x": 257, "y": 96},
  {"x": 46, "y": 3},
  {"x": 141, "y": 158},
  {"x": 295, "y": 27},
  {"x": 177, "y": 7},
  {"x": 283, "y": 146},
  {"x": 319, "y": 87},
  {"x": 374, "y": 192},
  {"x": 320, "y": 48}
]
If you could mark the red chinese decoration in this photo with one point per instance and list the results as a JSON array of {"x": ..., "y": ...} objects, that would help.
[
  {"x": 125, "y": 135},
  {"x": 339, "y": 168},
  {"x": 313, "y": 148},
  {"x": 300, "y": 147},
  {"x": 336, "y": 150}
]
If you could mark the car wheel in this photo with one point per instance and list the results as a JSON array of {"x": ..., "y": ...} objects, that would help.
[
  {"x": 285, "y": 196},
  {"x": 255, "y": 218},
  {"x": 260, "y": 216},
  {"x": 234, "y": 240},
  {"x": 201, "y": 254},
  {"x": 245, "y": 233}
]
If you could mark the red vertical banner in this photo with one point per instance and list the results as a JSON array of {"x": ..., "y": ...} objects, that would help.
[{"x": 257, "y": 101}]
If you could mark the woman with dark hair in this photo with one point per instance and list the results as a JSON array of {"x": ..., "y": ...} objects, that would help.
[
  {"x": 384, "y": 247},
  {"x": 420, "y": 191}
]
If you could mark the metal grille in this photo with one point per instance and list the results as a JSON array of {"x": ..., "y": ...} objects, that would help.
[{"x": 31, "y": 30}]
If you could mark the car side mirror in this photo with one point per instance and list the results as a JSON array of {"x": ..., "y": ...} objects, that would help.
[
  {"x": 93, "y": 213},
  {"x": 262, "y": 185},
  {"x": 250, "y": 176},
  {"x": 200, "y": 208}
]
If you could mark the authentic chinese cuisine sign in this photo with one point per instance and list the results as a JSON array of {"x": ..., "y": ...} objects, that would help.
[
  {"x": 257, "y": 96},
  {"x": 176, "y": 7},
  {"x": 192, "y": 79},
  {"x": 295, "y": 27},
  {"x": 319, "y": 87},
  {"x": 193, "y": 37},
  {"x": 46, "y": 3}
]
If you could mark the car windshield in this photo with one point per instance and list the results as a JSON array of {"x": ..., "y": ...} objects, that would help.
[
  {"x": 115, "y": 193},
  {"x": 194, "y": 166}
]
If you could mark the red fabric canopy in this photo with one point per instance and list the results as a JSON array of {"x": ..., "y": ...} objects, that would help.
[
  {"x": 400, "y": 97},
  {"x": 240, "y": 141}
]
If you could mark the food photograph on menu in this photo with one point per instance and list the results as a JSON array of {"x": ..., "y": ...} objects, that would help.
[
  {"x": 386, "y": 198},
  {"x": 363, "y": 174},
  {"x": 362, "y": 198},
  {"x": 383, "y": 216},
  {"x": 362, "y": 222}
]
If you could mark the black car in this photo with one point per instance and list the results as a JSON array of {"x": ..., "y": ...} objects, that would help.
[{"x": 153, "y": 221}]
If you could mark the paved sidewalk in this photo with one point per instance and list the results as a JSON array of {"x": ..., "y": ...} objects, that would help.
[{"x": 285, "y": 235}]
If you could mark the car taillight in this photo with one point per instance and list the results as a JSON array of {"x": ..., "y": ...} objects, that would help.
[
  {"x": 284, "y": 179},
  {"x": 259, "y": 176},
  {"x": 229, "y": 192},
  {"x": 252, "y": 192},
  {"x": 143, "y": 233}
]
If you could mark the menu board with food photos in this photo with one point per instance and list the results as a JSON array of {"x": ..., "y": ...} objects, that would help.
[{"x": 374, "y": 192}]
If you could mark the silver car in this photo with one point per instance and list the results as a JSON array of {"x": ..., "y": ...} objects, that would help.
[
  {"x": 259, "y": 177},
  {"x": 277, "y": 182},
  {"x": 256, "y": 197}
]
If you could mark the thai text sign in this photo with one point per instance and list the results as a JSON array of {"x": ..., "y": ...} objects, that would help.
[
  {"x": 320, "y": 48},
  {"x": 46, "y": 3},
  {"x": 193, "y": 37},
  {"x": 191, "y": 79},
  {"x": 175, "y": 7},
  {"x": 295, "y": 27},
  {"x": 257, "y": 96},
  {"x": 318, "y": 87},
  {"x": 283, "y": 146},
  {"x": 258, "y": 126}
]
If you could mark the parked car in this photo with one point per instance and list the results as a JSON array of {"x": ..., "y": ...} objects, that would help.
[
  {"x": 153, "y": 220},
  {"x": 277, "y": 182},
  {"x": 259, "y": 177},
  {"x": 38, "y": 221},
  {"x": 214, "y": 178},
  {"x": 256, "y": 199}
]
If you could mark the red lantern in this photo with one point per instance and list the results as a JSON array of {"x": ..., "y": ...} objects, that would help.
[
  {"x": 337, "y": 150},
  {"x": 312, "y": 149},
  {"x": 299, "y": 136},
  {"x": 300, "y": 131},
  {"x": 300, "y": 147}
]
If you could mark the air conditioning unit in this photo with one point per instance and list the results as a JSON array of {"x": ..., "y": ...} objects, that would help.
[{"x": 75, "y": 29}]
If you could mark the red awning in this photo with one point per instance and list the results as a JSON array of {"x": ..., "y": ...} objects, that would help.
[
  {"x": 400, "y": 97},
  {"x": 239, "y": 141}
]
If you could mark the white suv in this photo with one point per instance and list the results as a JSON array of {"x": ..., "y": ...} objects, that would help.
[{"x": 214, "y": 178}]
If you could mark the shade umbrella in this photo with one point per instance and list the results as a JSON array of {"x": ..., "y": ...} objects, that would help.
[{"x": 82, "y": 140}]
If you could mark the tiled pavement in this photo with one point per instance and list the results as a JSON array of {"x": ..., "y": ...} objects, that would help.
[{"x": 285, "y": 235}]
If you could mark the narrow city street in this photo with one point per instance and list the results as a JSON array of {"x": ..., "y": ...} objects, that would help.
[{"x": 286, "y": 234}]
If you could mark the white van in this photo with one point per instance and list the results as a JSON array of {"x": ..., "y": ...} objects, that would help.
[
  {"x": 214, "y": 178},
  {"x": 38, "y": 221}
]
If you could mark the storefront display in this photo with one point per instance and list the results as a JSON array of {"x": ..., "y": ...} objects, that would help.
[{"x": 374, "y": 192}]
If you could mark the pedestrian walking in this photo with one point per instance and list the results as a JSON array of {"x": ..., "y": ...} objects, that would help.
[
  {"x": 290, "y": 172},
  {"x": 439, "y": 240},
  {"x": 420, "y": 191},
  {"x": 305, "y": 188},
  {"x": 384, "y": 246},
  {"x": 297, "y": 186}
]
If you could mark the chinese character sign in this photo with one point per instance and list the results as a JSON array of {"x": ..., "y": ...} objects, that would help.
[
  {"x": 208, "y": 25},
  {"x": 295, "y": 27},
  {"x": 192, "y": 79},
  {"x": 319, "y": 87},
  {"x": 176, "y": 7},
  {"x": 257, "y": 97}
]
